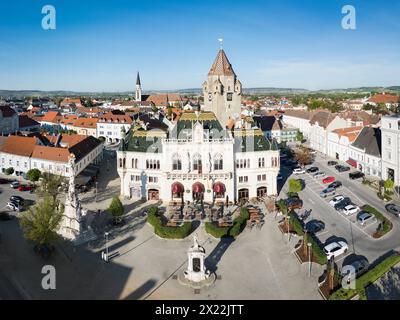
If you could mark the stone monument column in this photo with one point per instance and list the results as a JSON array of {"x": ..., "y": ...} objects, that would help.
[{"x": 71, "y": 222}]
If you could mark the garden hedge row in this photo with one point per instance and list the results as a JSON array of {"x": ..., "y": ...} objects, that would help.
[
  {"x": 318, "y": 254},
  {"x": 238, "y": 225},
  {"x": 296, "y": 223},
  {"x": 370, "y": 277},
  {"x": 164, "y": 231}
]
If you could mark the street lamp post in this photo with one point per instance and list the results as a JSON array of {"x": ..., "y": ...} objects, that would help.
[
  {"x": 96, "y": 183},
  {"x": 309, "y": 258},
  {"x": 106, "y": 236},
  {"x": 288, "y": 227}
]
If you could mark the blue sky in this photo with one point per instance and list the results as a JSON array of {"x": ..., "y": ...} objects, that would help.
[{"x": 99, "y": 45}]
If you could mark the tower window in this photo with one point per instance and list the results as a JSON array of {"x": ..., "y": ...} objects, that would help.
[{"x": 229, "y": 96}]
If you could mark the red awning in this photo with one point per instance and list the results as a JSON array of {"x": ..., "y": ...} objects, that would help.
[
  {"x": 198, "y": 188},
  {"x": 219, "y": 187},
  {"x": 352, "y": 162},
  {"x": 177, "y": 188}
]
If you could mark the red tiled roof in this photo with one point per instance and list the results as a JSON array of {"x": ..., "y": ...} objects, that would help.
[
  {"x": 17, "y": 145},
  {"x": 384, "y": 98}
]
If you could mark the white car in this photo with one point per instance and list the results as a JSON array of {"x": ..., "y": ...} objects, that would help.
[
  {"x": 14, "y": 206},
  {"x": 299, "y": 171},
  {"x": 336, "y": 200},
  {"x": 350, "y": 209},
  {"x": 335, "y": 249},
  {"x": 14, "y": 184},
  {"x": 319, "y": 175}
]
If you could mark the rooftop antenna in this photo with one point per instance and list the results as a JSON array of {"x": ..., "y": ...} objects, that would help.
[{"x": 221, "y": 43}]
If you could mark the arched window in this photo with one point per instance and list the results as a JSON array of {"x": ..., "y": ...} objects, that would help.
[
  {"x": 218, "y": 162},
  {"x": 197, "y": 165},
  {"x": 176, "y": 162}
]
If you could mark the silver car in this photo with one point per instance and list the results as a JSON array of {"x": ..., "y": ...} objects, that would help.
[{"x": 327, "y": 192}]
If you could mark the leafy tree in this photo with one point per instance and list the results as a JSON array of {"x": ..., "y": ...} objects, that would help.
[
  {"x": 33, "y": 175},
  {"x": 295, "y": 185},
  {"x": 9, "y": 171},
  {"x": 303, "y": 156},
  {"x": 388, "y": 184},
  {"x": 299, "y": 136},
  {"x": 41, "y": 222},
  {"x": 50, "y": 186},
  {"x": 116, "y": 209}
]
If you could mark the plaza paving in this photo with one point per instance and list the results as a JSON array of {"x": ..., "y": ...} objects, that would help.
[{"x": 259, "y": 264}]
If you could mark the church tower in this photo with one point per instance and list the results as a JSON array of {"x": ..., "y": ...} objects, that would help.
[
  {"x": 138, "y": 92},
  {"x": 222, "y": 91}
]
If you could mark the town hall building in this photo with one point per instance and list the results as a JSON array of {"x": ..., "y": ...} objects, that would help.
[{"x": 210, "y": 154}]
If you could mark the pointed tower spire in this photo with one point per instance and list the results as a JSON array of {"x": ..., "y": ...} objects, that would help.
[
  {"x": 221, "y": 66},
  {"x": 138, "y": 79},
  {"x": 138, "y": 91}
]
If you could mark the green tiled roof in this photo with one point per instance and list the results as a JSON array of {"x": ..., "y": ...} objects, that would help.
[
  {"x": 143, "y": 141},
  {"x": 252, "y": 140}
]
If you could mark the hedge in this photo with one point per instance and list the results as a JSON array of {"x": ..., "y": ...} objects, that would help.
[
  {"x": 318, "y": 254},
  {"x": 387, "y": 225},
  {"x": 164, "y": 231},
  {"x": 368, "y": 278},
  {"x": 296, "y": 224},
  {"x": 238, "y": 225}
]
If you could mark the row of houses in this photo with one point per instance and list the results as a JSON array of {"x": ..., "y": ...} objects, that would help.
[
  {"x": 353, "y": 137},
  {"x": 49, "y": 154}
]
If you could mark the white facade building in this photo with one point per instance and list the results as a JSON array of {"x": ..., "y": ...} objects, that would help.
[
  {"x": 198, "y": 158},
  {"x": 390, "y": 127}
]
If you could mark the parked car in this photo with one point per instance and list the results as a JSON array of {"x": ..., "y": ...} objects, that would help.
[
  {"x": 279, "y": 177},
  {"x": 294, "y": 203},
  {"x": 312, "y": 170},
  {"x": 328, "y": 180},
  {"x": 393, "y": 209},
  {"x": 299, "y": 171},
  {"x": 335, "y": 184},
  {"x": 319, "y": 175},
  {"x": 4, "y": 181},
  {"x": 343, "y": 204},
  {"x": 335, "y": 249},
  {"x": 314, "y": 226},
  {"x": 16, "y": 199},
  {"x": 341, "y": 168},
  {"x": 364, "y": 217},
  {"x": 332, "y": 163},
  {"x": 14, "y": 184},
  {"x": 356, "y": 175},
  {"x": 350, "y": 209},
  {"x": 25, "y": 188},
  {"x": 336, "y": 200},
  {"x": 327, "y": 192},
  {"x": 360, "y": 266},
  {"x": 14, "y": 206}
]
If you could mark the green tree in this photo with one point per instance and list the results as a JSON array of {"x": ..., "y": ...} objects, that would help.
[
  {"x": 33, "y": 175},
  {"x": 299, "y": 136},
  {"x": 294, "y": 186},
  {"x": 116, "y": 209},
  {"x": 9, "y": 171},
  {"x": 50, "y": 186},
  {"x": 41, "y": 222},
  {"x": 388, "y": 184}
]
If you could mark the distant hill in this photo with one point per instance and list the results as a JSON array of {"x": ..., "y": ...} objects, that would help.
[{"x": 266, "y": 90}]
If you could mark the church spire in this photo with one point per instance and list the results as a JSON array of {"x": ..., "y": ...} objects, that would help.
[
  {"x": 138, "y": 79},
  {"x": 138, "y": 91}
]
